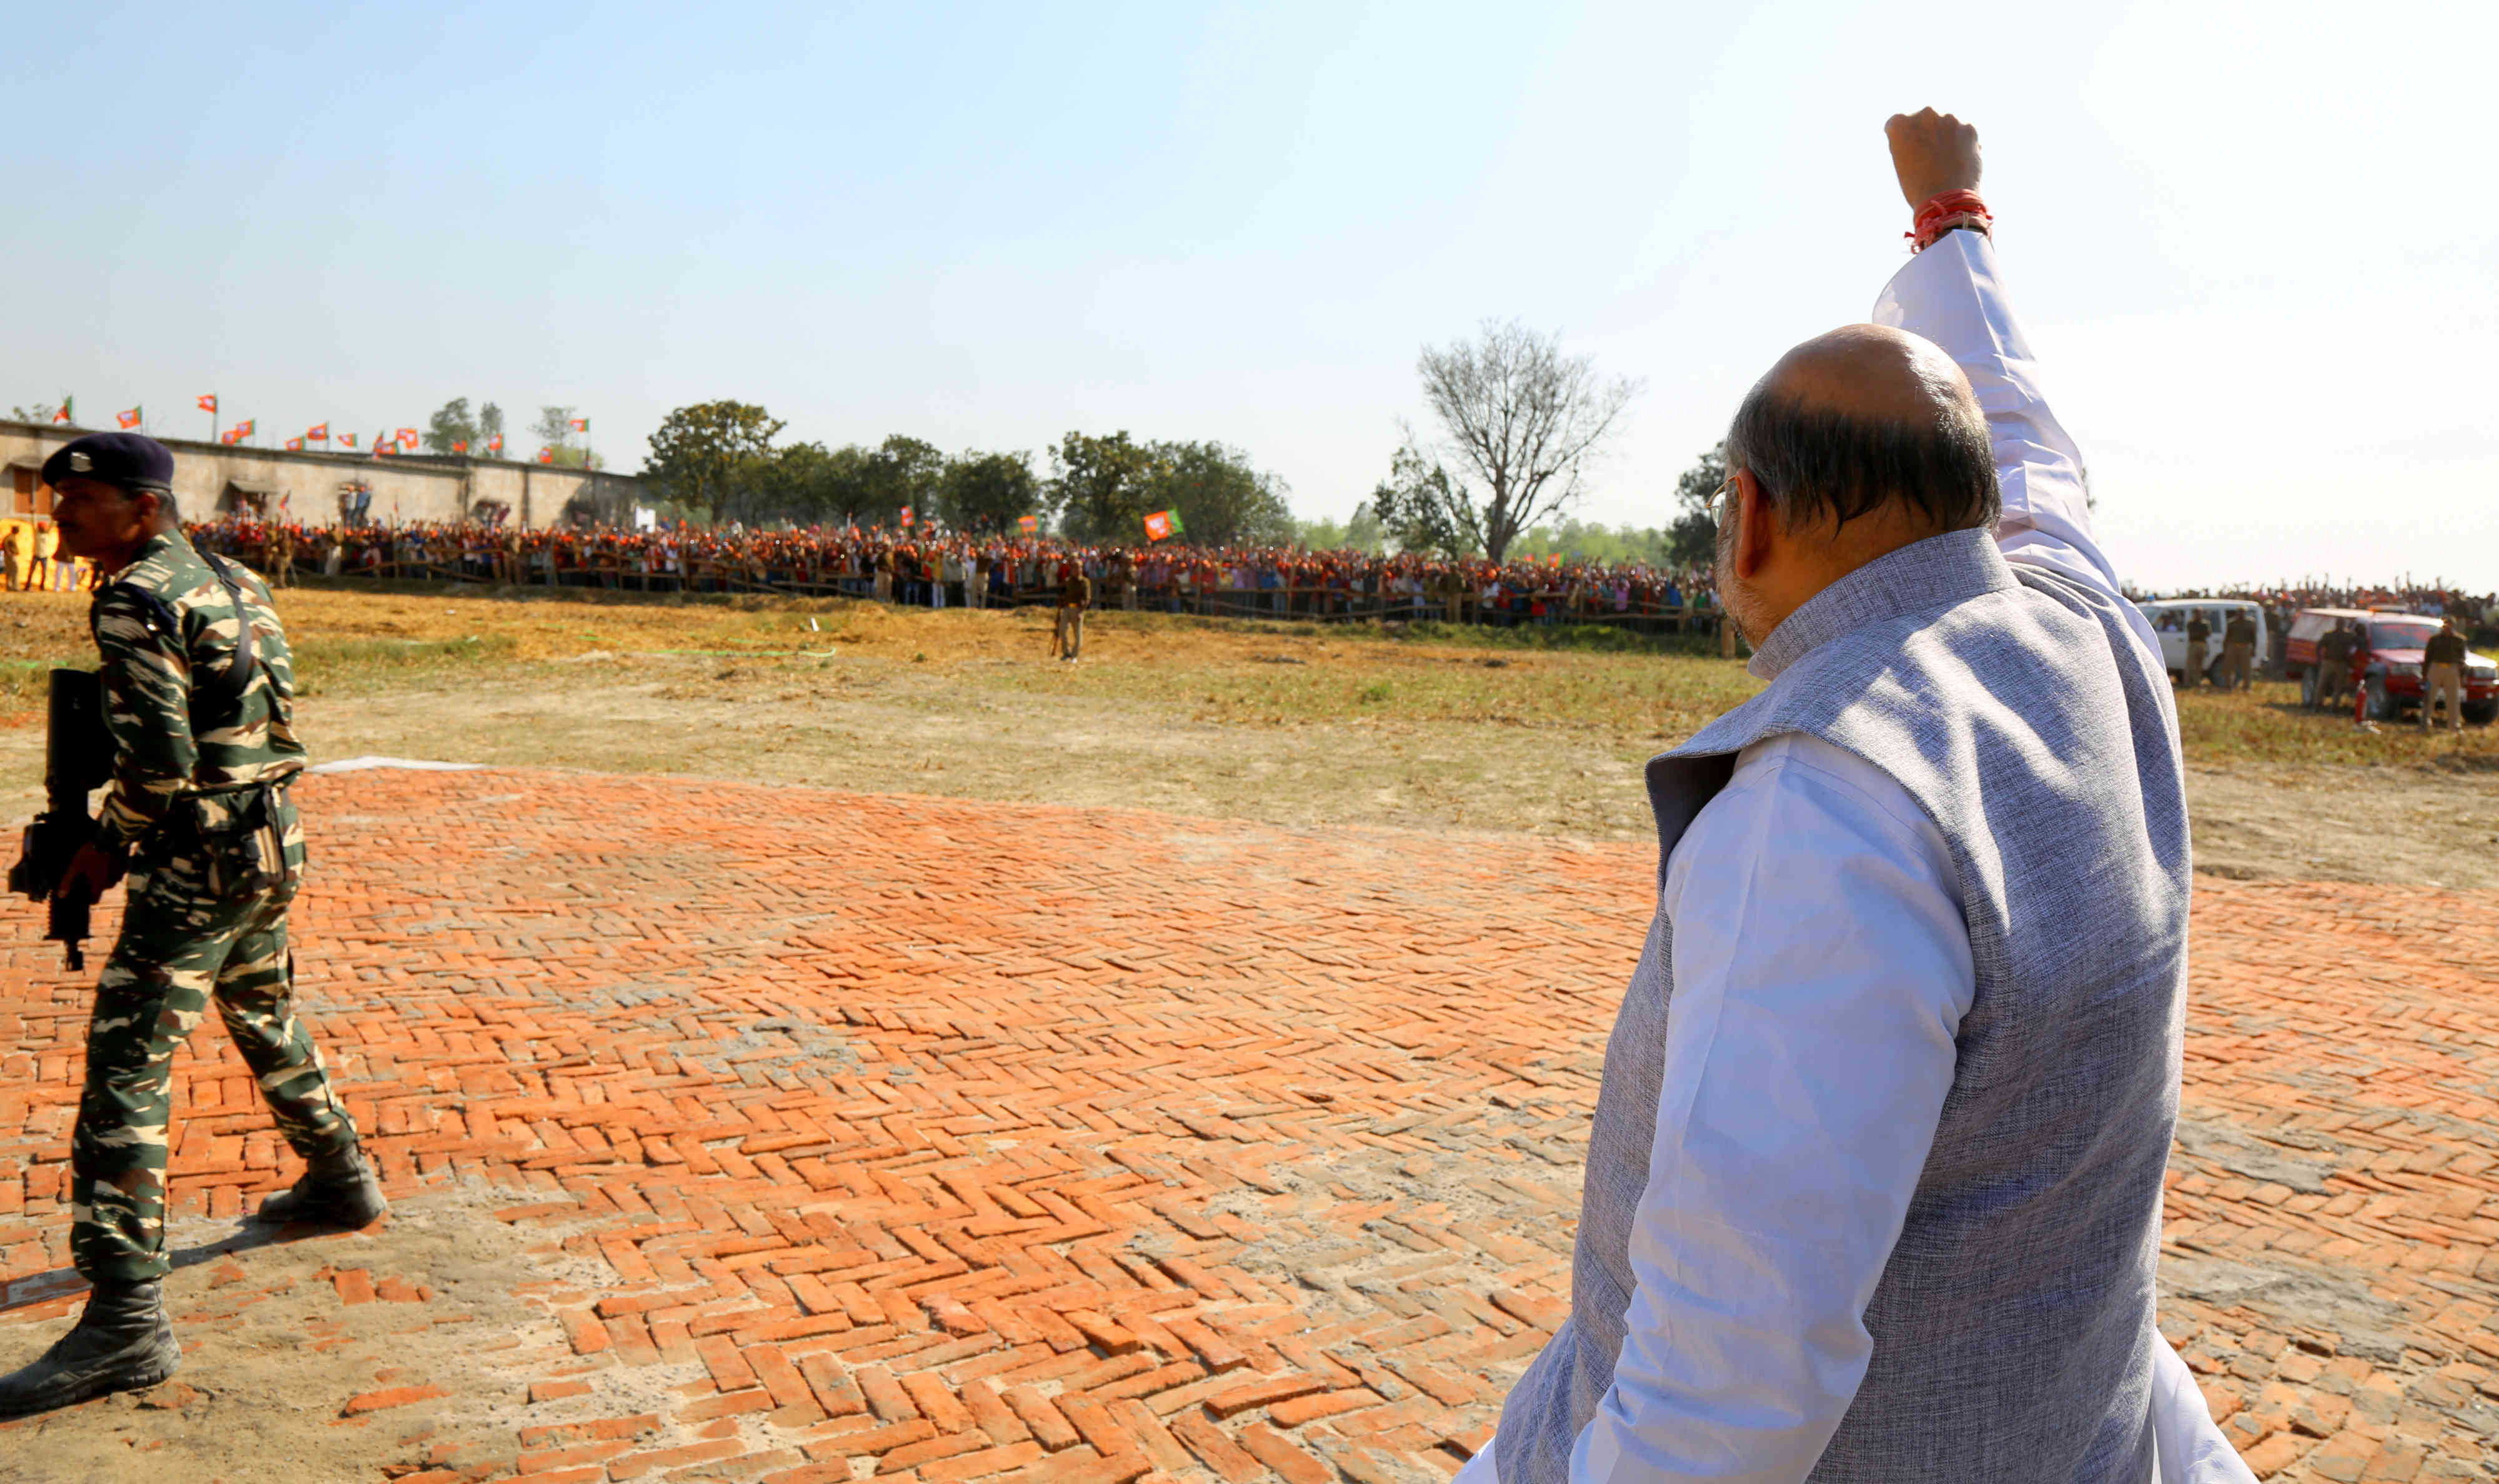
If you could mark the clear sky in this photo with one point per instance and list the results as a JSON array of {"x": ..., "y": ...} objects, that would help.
[{"x": 2255, "y": 245}]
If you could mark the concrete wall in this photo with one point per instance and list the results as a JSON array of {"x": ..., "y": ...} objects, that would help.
[{"x": 211, "y": 477}]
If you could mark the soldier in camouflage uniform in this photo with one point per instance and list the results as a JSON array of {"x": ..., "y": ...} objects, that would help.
[{"x": 198, "y": 694}]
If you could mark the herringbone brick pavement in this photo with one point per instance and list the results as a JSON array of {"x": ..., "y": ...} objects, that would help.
[{"x": 940, "y": 1140}]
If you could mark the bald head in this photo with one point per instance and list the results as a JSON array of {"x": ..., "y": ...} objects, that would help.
[
  {"x": 1875, "y": 372},
  {"x": 1862, "y": 417}
]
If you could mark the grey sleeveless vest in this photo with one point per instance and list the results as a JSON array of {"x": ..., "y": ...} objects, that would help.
[{"x": 2012, "y": 1327}]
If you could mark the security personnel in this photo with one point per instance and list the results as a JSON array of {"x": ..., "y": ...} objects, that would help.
[
  {"x": 1075, "y": 596},
  {"x": 2238, "y": 650},
  {"x": 198, "y": 693}
]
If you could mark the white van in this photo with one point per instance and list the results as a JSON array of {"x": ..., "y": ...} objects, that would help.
[{"x": 2169, "y": 618}]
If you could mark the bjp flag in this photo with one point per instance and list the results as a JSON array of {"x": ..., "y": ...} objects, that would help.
[
  {"x": 209, "y": 402},
  {"x": 1027, "y": 524},
  {"x": 495, "y": 444},
  {"x": 906, "y": 517},
  {"x": 460, "y": 445},
  {"x": 129, "y": 419},
  {"x": 581, "y": 425},
  {"x": 345, "y": 440},
  {"x": 1162, "y": 525},
  {"x": 318, "y": 432},
  {"x": 407, "y": 437},
  {"x": 547, "y": 456},
  {"x": 242, "y": 429},
  {"x": 294, "y": 445}
]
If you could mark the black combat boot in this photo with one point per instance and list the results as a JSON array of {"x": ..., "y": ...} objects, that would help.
[
  {"x": 122, "y": 1342},
  {"x": 337, "y": 1190}
]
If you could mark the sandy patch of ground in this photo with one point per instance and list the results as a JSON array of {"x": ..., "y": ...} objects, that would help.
[{"x": 309, "y": 1359}]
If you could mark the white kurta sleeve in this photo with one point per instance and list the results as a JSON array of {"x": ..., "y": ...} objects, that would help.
[
  {"x": 1953, "y": 295},
  {"x": 1822, "y": 967}
]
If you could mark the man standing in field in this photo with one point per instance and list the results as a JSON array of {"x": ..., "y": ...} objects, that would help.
[
  {"x": 2334, "y": 649},
  {"x": 22, "y": 556},
  {"x": 1875, "y": 1179},
  {"x": 2199, "y": 640},
  {"x": 2238, "y": 650},
  {"x": 2442, "y": 674},
  {"x": 1075, "y": 596}
]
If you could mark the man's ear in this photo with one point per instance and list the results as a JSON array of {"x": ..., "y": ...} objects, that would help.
[{"x": 1756, "y": 525}]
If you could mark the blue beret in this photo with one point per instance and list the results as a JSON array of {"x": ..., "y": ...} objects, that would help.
[{"x": 132, "y": 460}]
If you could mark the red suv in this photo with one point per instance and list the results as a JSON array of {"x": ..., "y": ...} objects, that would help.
[{"x": 2386, "y": 667}]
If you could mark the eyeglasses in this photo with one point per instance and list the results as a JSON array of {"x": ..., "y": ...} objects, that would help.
[{"x": 1722, "y": 502}]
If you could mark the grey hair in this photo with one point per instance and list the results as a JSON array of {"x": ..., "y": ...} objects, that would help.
[{"x": 1813, "y": 461}]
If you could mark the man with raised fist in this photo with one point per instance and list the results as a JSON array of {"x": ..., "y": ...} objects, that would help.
[{"x": 1873, "y": 1185}]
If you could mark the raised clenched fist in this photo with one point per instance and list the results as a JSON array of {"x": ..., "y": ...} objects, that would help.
[{"x": 1933, "y": 153}]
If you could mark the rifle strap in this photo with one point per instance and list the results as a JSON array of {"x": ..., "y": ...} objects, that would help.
[{"x": 245, "y": 655}]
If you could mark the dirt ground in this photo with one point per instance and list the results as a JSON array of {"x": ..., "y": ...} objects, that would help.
[
  {"x": 305, "y": 1361},
  {"x": 1291, "y": 725}
]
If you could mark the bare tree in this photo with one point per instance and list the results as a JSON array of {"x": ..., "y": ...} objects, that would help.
[{"x": 1524, "y": 419}]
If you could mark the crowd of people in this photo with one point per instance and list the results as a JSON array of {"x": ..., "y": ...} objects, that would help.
[
  {"x": 957, "y": 570},
  {"x": 31, "y": 559}
]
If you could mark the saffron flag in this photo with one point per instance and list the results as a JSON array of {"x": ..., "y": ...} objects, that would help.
[
  {"x": 209, "y": 402},
  {"x": 129, "y": 419},
  {"x": 61, "y": 414},
  {"x": 495, "y": 444},
  {"x": 1027, "y": 524},
  {"x": 345, "y": 440},
  {"x": 581, "y": 425},
  {"x": 382, "y": 444},
  {"x": 229, "y": 436},
  {"x": 460, "y": 445},
  {"x": 547, "y": 456},
  {"x": 407, "y": 437},
  {"x": 318, "y": 432},
  {"x": 294, "y": 445},
  {"x": 1162, "y": 525},
  {"x": 906, "y": 517},
  {"x": 242, "y": 429}
]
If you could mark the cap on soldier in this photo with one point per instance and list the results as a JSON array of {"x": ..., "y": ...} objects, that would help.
[{"x": 131, "y": 460}]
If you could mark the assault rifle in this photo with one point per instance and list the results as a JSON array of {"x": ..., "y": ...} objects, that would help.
[{"x": 78, "y": 759}]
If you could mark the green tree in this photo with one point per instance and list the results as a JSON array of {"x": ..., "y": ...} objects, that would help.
[
  {"x": 1692, "y": 540},
  {"x": 793, "y": 482},
  {"x": 1421, "y": 508},
  {"x": 987, "y": 492},
  {"x": 1222, "y": 498},
  {"x": 1098, "y": 487},
  {"x": 706, "y": 455},
  {"x": 451, "y": 429},
  {"x": 901, "y": 471}
]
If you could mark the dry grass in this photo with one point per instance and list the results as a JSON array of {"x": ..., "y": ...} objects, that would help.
[{"x": 352, "y": 641}]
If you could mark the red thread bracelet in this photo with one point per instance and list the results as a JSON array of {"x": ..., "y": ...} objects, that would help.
[{"x": 1928, "y": 223}]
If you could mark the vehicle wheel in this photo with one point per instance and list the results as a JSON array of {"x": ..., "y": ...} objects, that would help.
[
  {"x": 2308, "y": 688},
  {"x": 2481, "y": 713}
]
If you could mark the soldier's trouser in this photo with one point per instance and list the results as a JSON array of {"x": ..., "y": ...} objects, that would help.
[
  {"x": 2442, "y": 680},
  {"x": 181, "y": 946},
  {"x": 1075, "y": 631},
  {"x": 2237, "y": 659}
]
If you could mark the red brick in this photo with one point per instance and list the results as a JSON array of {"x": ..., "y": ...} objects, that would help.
[{"x": 395, "y": 1396}]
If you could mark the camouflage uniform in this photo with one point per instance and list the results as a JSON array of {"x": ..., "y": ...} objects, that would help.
[{"x": 199, "y": 799}]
